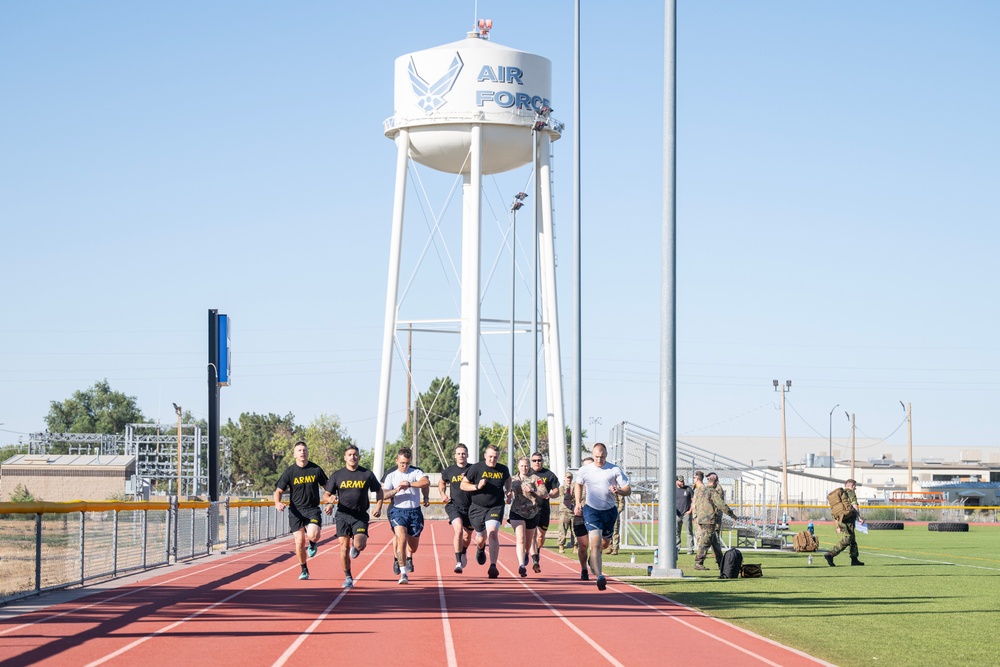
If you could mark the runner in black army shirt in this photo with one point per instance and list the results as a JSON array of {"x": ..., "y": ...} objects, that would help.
[
  {"x": 351, "y": 484},
  {"x": 456, "y": 504},
  {"x": 544, "y": 507},
  {"x": 488, "y": 484},
  {"x": 304, "y": 478}
]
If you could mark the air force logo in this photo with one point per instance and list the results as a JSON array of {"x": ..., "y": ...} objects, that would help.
[{"x": 430, "y": 97}]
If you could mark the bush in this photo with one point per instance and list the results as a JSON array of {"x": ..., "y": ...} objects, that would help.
[{"x": 21, "y": 494}]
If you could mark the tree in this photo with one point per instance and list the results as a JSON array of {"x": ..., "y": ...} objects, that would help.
[
  {"x": 326, "y": 438},
  {"x": 436, "y": 417},
  {"x": 258, "y": 449},
  {"x": 496, "y": 434},
  {"x": 98, "y": 409},
  {"x": 21, "y": 494}
]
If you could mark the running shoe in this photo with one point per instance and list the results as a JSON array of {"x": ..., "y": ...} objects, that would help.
[
  {"x": 348, "y": 582},
  {"x": 409, "y": 565},
  {"x": 403, "y": 579},
  {"x": 481, "y": 556},
  {"x": 602, "y": 583},
  {"x": 312, "y": 549},
  {"x": 536, "y": 567},
  {"x": 493, "y": 572},
  {"x": 304, "y": 574},
  {"x": 458, "y": 568},
  {"x": 523, "y": 571},
  {"x": 465, "y": 560},
  {"x": 354, "y": 552},
  {"x": 395, "y": 567},
  {"x": 584, "y": 576}
]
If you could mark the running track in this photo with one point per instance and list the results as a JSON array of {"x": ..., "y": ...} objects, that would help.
[{"x": 248, "y": 608}]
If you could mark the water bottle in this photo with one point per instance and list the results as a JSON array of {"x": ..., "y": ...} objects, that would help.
[
  {"x": 656, "y": 557},
  {"x": 632, "y": 559},
  {"x": 810, "y": 559}
]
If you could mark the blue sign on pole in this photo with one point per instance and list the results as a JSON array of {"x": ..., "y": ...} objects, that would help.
[{"x": 225, "y": 353}]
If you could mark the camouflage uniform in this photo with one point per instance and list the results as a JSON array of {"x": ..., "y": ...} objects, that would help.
[
  {"x": 524, "y": 502},
  {"x": 848, "y": 540},
  {"x": 566, "y": 537},
  {"x": 709, "y": 506}
]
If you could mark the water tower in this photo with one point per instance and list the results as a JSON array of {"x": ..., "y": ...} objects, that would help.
[{"x": 474, "y": 108}]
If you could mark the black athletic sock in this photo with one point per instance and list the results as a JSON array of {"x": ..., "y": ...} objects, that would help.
[
  {"x": 305, "y": 568},
  {"x": 348, "y": 574},
  {"x": 534, "y": 558},
  {"x": 311, "y": 543},
  {"x": 458, "y": 556}
]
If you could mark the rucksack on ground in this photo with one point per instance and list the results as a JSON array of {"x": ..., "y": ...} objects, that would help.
[
  {"x": 732, "y": 563},
  {"x": 838, "y": 504},
  {"x": 751, "y": 571},
  {"x": 805, "y": 541}
]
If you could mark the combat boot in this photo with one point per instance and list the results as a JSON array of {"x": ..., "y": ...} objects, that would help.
[
  {"x": 855, "y": 561},
  {"x": 829, "y": 559}
]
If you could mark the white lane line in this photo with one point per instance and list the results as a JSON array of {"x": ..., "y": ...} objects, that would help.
[
  {"x": 133, "y": 591},
  {"x": 326, "y": 612},
  {"x": 717, "y": 620},
  {"x": 583, "y": 635},
  {"x": 193, "y": 616},
  {"x": 935, "y": 562},
  {"x": 449, "y": 643},
  {"x": 705, "y": 616},
  {"x": 175, "y": 624}
]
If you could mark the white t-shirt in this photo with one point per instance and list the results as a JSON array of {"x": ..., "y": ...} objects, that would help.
[
  {"x": 408, "y": 498},
  {"x": 598, "y": 482}
]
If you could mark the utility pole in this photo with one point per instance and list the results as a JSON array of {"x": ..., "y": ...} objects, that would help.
[
  {"x": 909, "y": 447},
  {"x": 784, "y": 442},
  {"x": 177, "y": 409},
  {"x": 852, "y": 445}
]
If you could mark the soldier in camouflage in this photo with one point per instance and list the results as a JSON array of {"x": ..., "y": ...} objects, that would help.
[
  {"x": 699, "y": 481},
  {"x": 709, "y": 506},
  {"x": 845, "y": 527}
]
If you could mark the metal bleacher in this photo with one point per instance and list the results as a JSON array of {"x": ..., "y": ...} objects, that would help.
[{"x": 753, "y": 493}]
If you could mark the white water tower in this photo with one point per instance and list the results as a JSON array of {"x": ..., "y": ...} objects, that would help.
[{"x": 474, "y": 107}]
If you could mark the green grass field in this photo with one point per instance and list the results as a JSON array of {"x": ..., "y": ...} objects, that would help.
[{"x": 923, "y": 598}]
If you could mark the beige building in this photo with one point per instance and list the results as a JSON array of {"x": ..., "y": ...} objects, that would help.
[{"x": 56, "y": 478}]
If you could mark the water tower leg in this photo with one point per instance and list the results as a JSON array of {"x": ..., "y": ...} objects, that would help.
[
  {"x": 550, "y": 317},
  {"x": 468, "y": 383},
  {"x": 391, "y": 294}
]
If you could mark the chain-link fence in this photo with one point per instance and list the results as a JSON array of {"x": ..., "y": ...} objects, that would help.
[{"x": 44, "y": 546}]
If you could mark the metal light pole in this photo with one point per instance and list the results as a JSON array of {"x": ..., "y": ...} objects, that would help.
[
  {"x": 514, "y": 207},
  {"x": 177, "y": 409},
  {"x": 784, "y": 442},
  {"x": 829, "y": 457}
]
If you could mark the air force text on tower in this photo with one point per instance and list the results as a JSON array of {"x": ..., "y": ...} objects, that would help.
[{"x": 503, "y": 98}]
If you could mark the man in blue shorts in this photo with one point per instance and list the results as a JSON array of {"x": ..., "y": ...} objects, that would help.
[
  {"x": 603, "y": 482},
  {"x": 352, "y": 484},
  {"x": 403, "y": 486},
  {"x": 456, "y": 504},
  {"x": 303, "y": 479},
  {"x": 488, "y": 484}
]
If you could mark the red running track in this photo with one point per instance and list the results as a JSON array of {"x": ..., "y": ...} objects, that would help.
[{"x": 249, "y": 608}]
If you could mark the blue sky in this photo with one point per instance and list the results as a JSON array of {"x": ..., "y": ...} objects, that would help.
[{"x": 837, "y": 210}]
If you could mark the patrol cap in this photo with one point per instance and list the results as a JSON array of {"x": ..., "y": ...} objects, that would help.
[{"x": 680, "y": 478}]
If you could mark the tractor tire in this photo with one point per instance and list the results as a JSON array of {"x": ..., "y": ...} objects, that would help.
[
  {"x": 948, "y": 526},
  {"x": 885, "y": 525}
]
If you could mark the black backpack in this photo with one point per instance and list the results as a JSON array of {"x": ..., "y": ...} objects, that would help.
[{"x": 732, "y": 562}]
